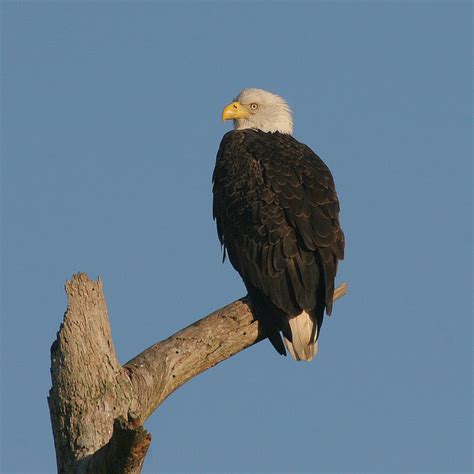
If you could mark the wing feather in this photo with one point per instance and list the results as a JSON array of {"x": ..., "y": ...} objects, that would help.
[{"x": 277, "y": 215}]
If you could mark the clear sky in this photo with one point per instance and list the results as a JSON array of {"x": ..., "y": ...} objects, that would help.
[{"x": 111, "y": 122}]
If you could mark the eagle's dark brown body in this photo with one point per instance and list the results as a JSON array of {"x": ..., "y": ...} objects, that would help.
[{"x": 276, "y": 210}]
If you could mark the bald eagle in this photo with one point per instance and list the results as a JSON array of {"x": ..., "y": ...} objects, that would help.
[{"x": 277, "y": 215}]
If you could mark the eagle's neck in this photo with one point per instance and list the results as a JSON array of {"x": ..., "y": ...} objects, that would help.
[{"x": 278, "y": 122}]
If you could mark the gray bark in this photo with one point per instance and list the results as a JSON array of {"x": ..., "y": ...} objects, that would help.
[{"x": 98, "y": 407}]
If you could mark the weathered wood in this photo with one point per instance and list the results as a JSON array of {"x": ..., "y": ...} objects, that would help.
[
  {"x": 90, "y": 388},
  {"x": 98, "y": 407},
  {"x": 124, "y": 453},
  {"x": 162, "y": 368}
]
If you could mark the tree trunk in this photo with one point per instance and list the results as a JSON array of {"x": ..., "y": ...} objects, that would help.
[{"x": 98, "y": 407}]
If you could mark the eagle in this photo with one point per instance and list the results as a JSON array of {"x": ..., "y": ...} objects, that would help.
[{"x": 277, "y": 216}]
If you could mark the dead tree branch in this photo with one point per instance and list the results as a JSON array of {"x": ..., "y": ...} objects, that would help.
[{"x": 98, "y": 407}]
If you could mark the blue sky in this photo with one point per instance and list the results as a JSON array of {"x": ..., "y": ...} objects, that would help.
[{"x": 111, "y": 122}]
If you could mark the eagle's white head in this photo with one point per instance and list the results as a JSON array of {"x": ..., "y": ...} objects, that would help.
[{"x": 261, "y": 110}]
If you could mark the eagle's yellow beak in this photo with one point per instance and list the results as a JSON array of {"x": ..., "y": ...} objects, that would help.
[{"x": 234, "y": 111}]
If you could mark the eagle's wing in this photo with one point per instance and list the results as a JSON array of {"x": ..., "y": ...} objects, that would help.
[{"x": 277, "y": 216}]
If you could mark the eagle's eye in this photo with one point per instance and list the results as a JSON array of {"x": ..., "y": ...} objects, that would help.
[{"x": 254, "y": 106}]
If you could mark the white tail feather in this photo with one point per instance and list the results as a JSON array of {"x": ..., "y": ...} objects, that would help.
[{"x": 303, "y": 347}]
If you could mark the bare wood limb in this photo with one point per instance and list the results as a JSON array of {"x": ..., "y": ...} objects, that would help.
[
  {"x": 98, "y": 407},
  {"x": 162, "y": 368},
  {"x": 90, "y": 388},
  {"x": 124, "y": 453}
]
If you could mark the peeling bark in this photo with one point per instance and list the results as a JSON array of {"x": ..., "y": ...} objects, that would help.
[{"x": 98, "y": 407}]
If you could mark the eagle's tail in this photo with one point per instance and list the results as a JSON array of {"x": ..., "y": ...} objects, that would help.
[{"x": 304, "y": 332}]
